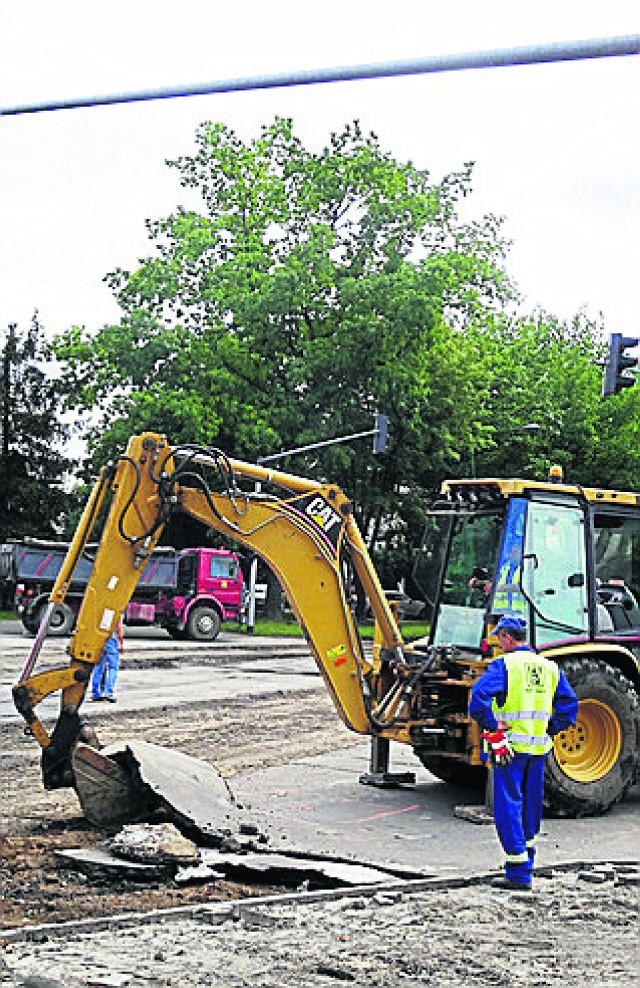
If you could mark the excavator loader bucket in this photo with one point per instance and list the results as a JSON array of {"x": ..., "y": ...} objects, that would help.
[
  {"x": 110, "y": 795},
  {"x": 134, "y": 781}
]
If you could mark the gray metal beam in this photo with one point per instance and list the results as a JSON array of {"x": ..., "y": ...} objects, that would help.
[{"x": 563, "y": 51}]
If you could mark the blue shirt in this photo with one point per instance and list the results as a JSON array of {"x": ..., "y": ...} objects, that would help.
[{"x": 494, "y": 682}]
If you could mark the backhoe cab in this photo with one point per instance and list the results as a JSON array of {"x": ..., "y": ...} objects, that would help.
[
  {"x": 491, "y": 546},
  {"x": 567, "y": 559}
]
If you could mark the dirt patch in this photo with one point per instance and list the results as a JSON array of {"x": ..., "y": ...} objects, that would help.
[
  {"x": 557, "y": 937},
  {"x": 37, "y": 890},
  {"x": 472, "y": 936},
  {"x": 234, "y": 736}
]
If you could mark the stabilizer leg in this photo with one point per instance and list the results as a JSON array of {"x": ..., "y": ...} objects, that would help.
[{"x": 379, "y": 774}]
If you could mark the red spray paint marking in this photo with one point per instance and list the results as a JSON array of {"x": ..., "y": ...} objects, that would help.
[{"x": 379, "y": 816}]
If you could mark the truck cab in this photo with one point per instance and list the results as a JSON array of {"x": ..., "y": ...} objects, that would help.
[
  {"x": 209, "y": 590},
  {"x": 567, "y": 560}
]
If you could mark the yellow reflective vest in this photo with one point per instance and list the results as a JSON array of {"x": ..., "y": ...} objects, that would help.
[{"x": 531, "y": 685}]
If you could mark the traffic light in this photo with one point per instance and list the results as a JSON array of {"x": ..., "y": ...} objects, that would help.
[
  {"x": 617, "y": 361},
  {"x": 380, "y": 433}
]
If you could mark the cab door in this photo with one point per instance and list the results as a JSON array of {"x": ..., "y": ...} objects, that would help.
[{"x": 554, "y": 577}]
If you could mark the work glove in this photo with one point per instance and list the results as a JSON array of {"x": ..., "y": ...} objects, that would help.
[{"x": 500, "y": 750}]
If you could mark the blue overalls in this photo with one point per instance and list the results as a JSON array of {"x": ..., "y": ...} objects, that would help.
[
  {"x": 105, "y": 673},
  {"x": 518, "y": 786}
]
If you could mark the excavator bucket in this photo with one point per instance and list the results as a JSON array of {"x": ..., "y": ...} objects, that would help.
[
  {"x": 110, "y": 795},
  {"x": 135, "y": 781}
]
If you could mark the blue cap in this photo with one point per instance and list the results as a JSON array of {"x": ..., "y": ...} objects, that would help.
[{"x": 510, "y": 622}]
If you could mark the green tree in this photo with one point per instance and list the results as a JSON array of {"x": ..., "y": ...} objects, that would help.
[
  {"x": 615, "y": 457},
  {"x": 32, "y": 465},
  {"x": 544, "y": 405},
  {"x": 304, "y": 292}
]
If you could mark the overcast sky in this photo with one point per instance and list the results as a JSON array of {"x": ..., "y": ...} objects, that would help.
[{"x": 557, "y": 147}]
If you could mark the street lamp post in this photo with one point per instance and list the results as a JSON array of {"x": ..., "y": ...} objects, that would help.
[{"x": 380, "y": 439}]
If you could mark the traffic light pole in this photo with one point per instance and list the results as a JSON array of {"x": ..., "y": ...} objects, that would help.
[{"x": 380, "y": 433}]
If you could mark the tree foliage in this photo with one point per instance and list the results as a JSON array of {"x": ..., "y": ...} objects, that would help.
[
  {"x": 299, "y": 292},
  {"x": 32, "y": 466},
  {"x": 544, "y": 406},
  {"x": 306, "y": 291}
]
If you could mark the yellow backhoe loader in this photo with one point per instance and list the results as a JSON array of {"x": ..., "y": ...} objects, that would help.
[{"x": 565, "y": 557}]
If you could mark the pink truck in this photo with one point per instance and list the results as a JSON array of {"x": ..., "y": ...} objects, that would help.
[
  {"x": 206, "y": 590},
  {"x": 188, "y": 592}
]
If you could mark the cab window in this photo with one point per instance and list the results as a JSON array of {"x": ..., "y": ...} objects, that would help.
[
  {"x": 466, "y": 543},
  {"x": 159, "y": 572},
  {"x": 223, "y": 568},
  {"x": 617, "y": 570}
]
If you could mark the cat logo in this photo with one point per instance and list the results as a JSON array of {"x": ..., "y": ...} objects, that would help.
[{"x": 322, "y": 515}]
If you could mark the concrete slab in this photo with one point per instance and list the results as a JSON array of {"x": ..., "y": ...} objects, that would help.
[
  {"x": 191, "y": 790},
  {"x": 293, "y": 871},
  {"x": 154, "y": 843},
  {"x": 94, "y": 860},
  {"x": 251, "y": 867},
  {"x": 318, "y": 805},
  {"x": 135, "y": 780}
]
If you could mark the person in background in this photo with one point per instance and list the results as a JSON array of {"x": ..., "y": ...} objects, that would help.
[
  {"x": 520, "y": 702},
  {"x": 105, "y": 673}
]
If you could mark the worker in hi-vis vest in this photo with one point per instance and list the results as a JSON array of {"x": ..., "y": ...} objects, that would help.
[{"x": 520, "y": 702}]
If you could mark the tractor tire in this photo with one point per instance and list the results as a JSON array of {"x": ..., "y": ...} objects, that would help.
[
  {"x": 454, "y": 772},
  {"x": 62, "y": 622},
  {"x": 592, "y": 765},
  {"x": 203, "y": 624}
]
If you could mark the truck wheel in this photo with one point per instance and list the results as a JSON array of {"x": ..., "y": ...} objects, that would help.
[
  {"x": 454, "y": 772},
  {"x": 203, "y": 624},
  {"x": 62, "y": 621},
  {"x": 593, "y": 764},
  {"x": 29, "y": 625}
]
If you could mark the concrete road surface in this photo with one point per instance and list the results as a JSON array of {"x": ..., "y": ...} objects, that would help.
[
  {"x": 236, "y": 666},
  {"x": 317, "y": 804}
]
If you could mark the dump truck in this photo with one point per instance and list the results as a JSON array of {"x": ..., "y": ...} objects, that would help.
[
  {"x": 565, "y": 557},
  {"x": 188, "y": 592}
]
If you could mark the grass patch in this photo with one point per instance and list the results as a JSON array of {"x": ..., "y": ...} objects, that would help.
[
  {"x": 289, "y": 628},
  {"x": 270, "y": 629}
]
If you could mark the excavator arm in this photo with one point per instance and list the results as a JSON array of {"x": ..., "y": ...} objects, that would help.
[{"x": 306, "y": 533}]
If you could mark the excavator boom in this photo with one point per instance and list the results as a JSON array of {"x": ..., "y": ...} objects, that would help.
[{"x": 305, "y": 533}]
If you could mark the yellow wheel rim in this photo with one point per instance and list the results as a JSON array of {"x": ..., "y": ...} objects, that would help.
[{"x": 589, "y": 749}]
